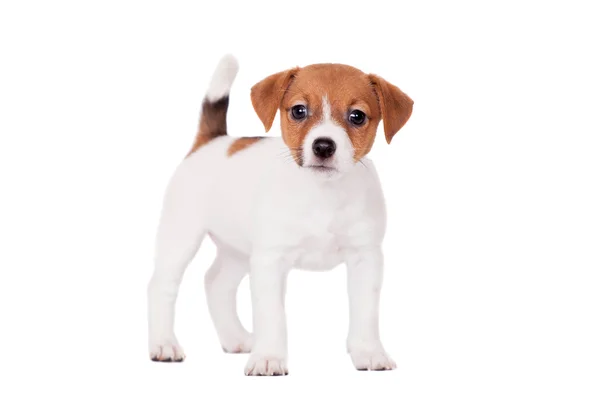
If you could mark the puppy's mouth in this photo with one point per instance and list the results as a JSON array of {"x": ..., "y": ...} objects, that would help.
[{"x": 321, "y": 168}]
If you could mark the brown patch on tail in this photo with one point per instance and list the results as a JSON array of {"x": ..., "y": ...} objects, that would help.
[
  {"x": 242, "y": 143},
  {"x": 213, "y": 122}
]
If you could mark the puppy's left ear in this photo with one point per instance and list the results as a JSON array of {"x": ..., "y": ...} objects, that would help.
[
  {"x": 396, "y": 107},
  {"x": 267, "y": 94}
]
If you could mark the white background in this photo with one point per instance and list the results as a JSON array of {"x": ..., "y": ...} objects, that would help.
[{"x": 492, "y": 253}]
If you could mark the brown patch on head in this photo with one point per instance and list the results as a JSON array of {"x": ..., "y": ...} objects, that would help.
[
  {"x": 213, "y": 122},
  {"x": 242, "y": 143},
  {"x": 346, "y": 89}
]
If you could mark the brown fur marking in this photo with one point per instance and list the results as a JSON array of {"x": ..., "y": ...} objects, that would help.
[
  {"x": 242, "y": 143},
  {"x": 213, "y": 122},
  {"x": 346, "y": 89},
  {"x": 396, "y": 106},
  {"x": 266, "y": 95}
]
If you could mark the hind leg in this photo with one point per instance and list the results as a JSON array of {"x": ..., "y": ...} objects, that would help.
[
  {"x": 221, "y": 285},
  {"x": 180, "y": 233}
]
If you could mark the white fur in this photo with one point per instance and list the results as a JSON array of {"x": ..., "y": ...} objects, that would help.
[
  {"x": 223, "y": 77},
  {"x": 343, "y": 159},
  {"x": 266, "y": 216}
]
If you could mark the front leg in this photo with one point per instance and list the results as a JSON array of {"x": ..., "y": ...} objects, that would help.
[
  {"x": 267, "y": 287},
  {"x": 365, "y": 275}
]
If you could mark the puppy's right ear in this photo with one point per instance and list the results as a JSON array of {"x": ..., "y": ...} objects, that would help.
[{"x": 267, "y": 94}]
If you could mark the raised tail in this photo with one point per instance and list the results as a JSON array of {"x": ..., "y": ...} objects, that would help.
[{"x": 213, "y": 118}]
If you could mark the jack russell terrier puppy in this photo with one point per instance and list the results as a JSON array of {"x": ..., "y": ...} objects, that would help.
[{"x": 309, "y": 200}]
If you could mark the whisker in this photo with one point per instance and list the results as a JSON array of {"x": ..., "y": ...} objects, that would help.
[{"x": 291, "y": 148}]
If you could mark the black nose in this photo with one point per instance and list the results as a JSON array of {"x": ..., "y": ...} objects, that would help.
[{"x": 323, "y": 148}]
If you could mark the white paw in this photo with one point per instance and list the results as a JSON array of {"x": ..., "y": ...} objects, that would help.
[
  {"x": 237, "y": 344},
  {"x": 166, "y": 351},
  {"x": 372, "y": 360},
  {"x": 265, "y": 366}
]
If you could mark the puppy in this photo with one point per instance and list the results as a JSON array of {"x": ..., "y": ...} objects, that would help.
[{"x": 310, "y": 200}]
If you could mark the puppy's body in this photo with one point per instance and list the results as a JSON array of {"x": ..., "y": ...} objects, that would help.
[
  {"x": 258, "y": 199},
  {"x": 270, "y": 207}
]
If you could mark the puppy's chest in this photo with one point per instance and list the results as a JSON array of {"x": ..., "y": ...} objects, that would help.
[{"x": 321, "y": 235}]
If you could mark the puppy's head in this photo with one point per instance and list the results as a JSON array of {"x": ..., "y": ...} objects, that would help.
[{"x": 330, "y": 113}]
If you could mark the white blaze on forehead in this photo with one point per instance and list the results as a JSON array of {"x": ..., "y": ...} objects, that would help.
[{"x": 326, "y": 110}]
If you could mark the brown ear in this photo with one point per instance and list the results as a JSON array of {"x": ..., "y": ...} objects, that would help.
[
  {"x": 396, "y": 106},
  {"x": 267, "y": 94}
]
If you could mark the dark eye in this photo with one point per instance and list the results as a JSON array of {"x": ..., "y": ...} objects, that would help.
[
  {"x": 357, "y": 117},
  {"x": 299, "y": 112}
]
